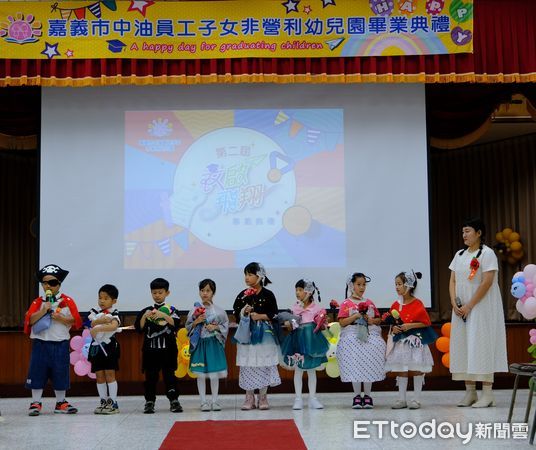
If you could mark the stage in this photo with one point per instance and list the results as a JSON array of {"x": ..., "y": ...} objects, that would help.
[{"x": 331, "y": 428}]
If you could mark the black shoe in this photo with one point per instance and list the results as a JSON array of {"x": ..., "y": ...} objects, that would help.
[
  {"x": 149, "y": 408},
  {"x": 175, "y": 406}
]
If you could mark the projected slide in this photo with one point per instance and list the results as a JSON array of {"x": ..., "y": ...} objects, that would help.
[{"x": 221, "y": 188}]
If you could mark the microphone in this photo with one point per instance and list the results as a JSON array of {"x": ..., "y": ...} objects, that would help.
[{"x": 458, "y": 302}]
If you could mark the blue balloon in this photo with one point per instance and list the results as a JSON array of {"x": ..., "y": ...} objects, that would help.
[
  {"x": 518, "y": 290},
  {"x": 519, "y": 279}
]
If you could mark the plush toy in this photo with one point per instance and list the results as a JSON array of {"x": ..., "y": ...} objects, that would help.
[
  {"x": 195, "y": 334},
  {"x": 166, "y": 309},
  {"x": 321, "y": 321},
  {"x": 287, "y": 316}
]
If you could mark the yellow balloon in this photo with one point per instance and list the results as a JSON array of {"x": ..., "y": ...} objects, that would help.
[
  {"x": 506, "y": 233},
  {"x": 515, "y": 246},
  {"x": 182, "y": 336},
  {"x": 514, "y": 237},
  {"x": 499, "y": 237},
  {"x": 332, "y": 368},
  {"x": 181, "y": 371},
  {"x": 192, "y": 374},
  {"x": 184, "y": 352},
  {"x": 335, "y": 328}
]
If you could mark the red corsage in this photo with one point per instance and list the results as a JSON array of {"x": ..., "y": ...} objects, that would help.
[
  {"x": 362, "y": 308},
  {"x": 474, "y": 265},
  {"x": 333, "y": 304},
  {"x": 249, "y": 292}
]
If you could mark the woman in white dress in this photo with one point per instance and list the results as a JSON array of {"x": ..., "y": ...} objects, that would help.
[{"x": 478, "y": 335}]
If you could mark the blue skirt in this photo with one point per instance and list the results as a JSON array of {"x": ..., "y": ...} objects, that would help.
[
  {"x": 208, "y": 356},
  {"x": 305, "y": 349}
]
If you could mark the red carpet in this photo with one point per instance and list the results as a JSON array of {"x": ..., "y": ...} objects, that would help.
[{"x": 234, "y": 435}]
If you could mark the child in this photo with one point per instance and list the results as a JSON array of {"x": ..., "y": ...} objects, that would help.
[
  {"x": 360, "y": 352},
  {"x": 411, "y": 336},
  {"x": 48, "y": 321},
  {"x": 159, "y": 324},
  {"x": 104, "y": 350},
  {"x": 258, "y": 360},
  {"x": 207, "y": 358},
  {"x": 304, "y": 349}
]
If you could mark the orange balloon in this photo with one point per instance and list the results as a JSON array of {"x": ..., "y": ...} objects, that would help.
[
  {"x": 514, "y": 237},
  {"x": 443, "y": 344},
  {"x": 445, "y": 359},
  {"x": 506, "y": 233},
  {"x": 518, "y": 255},
  {"x": 516, "y": 245},
  {"x": 445, "y": 329},
  {"x": 499, "y": 236}
]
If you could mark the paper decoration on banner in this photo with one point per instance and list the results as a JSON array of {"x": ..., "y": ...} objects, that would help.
[
  {"x": 524, "y": 289},
  {"x": 312, "y": 136},
  {"x": 509, "y": 246},
  {"x": 165, "y": 246},
  {"x": 443, "y": 344},
  {"x": 183, "y": 359},
  {"x": 130, "y": 248},
  {"x": 280, "y": 118},
  {"x": 80, "y": 13}
]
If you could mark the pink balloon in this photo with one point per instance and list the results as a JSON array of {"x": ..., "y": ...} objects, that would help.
[
  {"x": 524, "y": 298},
  {"x": 86, "y": 334},
  {"x": 530, "y": 287},
  {"x": 534, "y": 280},
  {"x": 530, "y": 308},
  {"x": 77, "y": 342},
  {"x": 74, "y": 357},
  {"x": 520, "y": 307},
  {"x": 92, "y": 375},
  {"x": 82, "y": 368},
  {"x": 532, "y": 339},
  {"x": 529, "y": 271},
  {"x": 533, "y": 332}
]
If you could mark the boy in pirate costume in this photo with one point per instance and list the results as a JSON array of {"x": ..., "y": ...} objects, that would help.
[
  {"x": 159, "y": 324},
  {"x": 48, "y": 321}
]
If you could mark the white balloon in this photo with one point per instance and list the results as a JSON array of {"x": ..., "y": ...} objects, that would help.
[{"x": 530, "y": 308}]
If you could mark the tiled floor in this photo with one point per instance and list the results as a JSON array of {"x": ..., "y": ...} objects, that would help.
[{"x": 331, "y": 428}]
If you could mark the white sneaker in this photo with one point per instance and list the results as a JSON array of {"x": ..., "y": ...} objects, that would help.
[
  {"x": 298, "y": 403},
  {"x": 315, "y": 404},
  {"x": 205, "y": 406},
  {"x": 414, "y": 404},
  {"x": 216, "y": 406}
]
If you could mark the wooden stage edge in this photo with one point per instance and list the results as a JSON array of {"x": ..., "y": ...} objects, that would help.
[{"x": 15, "y": 348}]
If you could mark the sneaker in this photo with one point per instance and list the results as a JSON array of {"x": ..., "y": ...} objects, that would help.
[
  {"x": 205, "y": 406},
  {"x": 298, "y": 404},
  {"x": 315, "y": 404},
  {"x": 414, "y": 404},
  {"x": 367, "y": 402},
  {"x": 216, "y": 406},
  {"x": 263, "y": 402},
  {"x": 175, "y": 406},
  {"x": 35, "y": 409},
  {"x": 148, "y": 408},
  {"x": 111, "y": 407},
  {"x": 249, "y": 403},
  {"x": 98, "y": 409},
  {"x": 358, "y": 402},
  {"x": 64, "y": 407},
  {"x": 399, "y": 404}
]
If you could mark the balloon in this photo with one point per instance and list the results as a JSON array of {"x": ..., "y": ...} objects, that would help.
[
  {"x": 499, "y": 237},
  {"x": 518, "y": 254},
  {"x": 514, "y": 237},
  {"x": 332, "y": 368},
  {"x": 335, "y": 328},
  {"x": 182, "y": 336},
  {"x": 74, "y": 357},
  {"x": 517, "y": 275},
  {"x": 445, "y": 359},
  {"x": 530, "y": 287},
  {"x": 445, "y": 329},
  {"x": 181, "y": 371},
  {"x": 92, "y": 375},
  {"x": 530, "y": 308},
  {"x": 534, "y": 280},
  {"x": 520, "y": 306},
  {"x": 82, "y": 368},
  {"x": 443, "y": 344},
  {"x": 77, "y": 342},
  {"x": 518, "y": 290},
  {"x": 530, "y": 271},
  {"x": 85, "y": 350},
  {"x": 506, "y": 233},
  {"x": 515, "y": 246},
  {"x": 192, "y": 374},
  {"x": 533, "y": 332},
  {"x": 86, "y": 334},
  {"x": 532, "y": 340}
]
